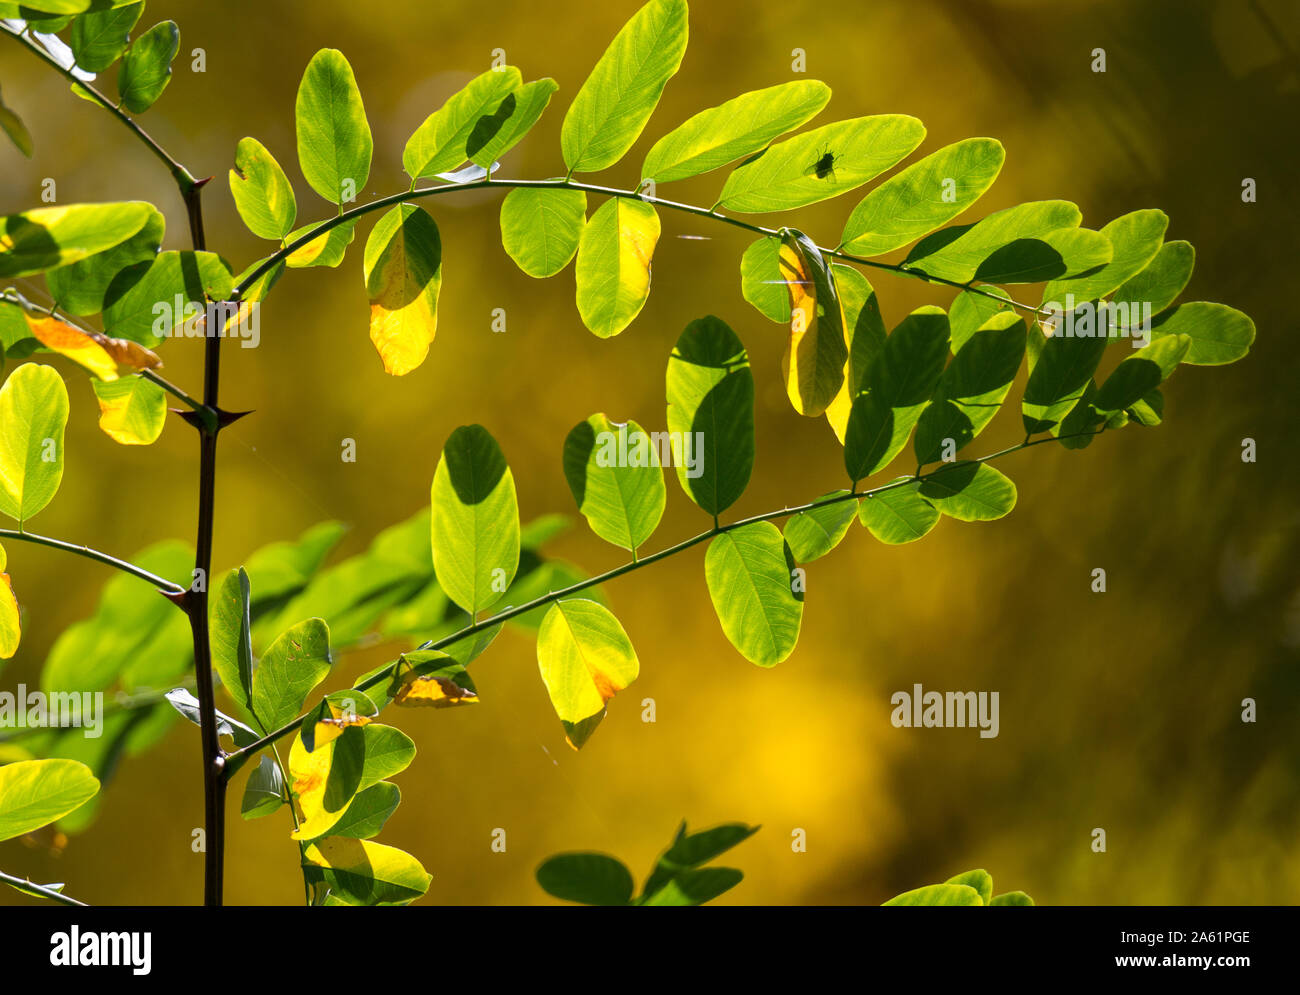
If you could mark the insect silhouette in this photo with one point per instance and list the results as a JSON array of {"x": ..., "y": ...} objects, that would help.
[{"x": 824, "y": 166}]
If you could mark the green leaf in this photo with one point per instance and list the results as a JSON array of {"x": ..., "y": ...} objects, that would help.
[
  {"x": 585, "y": 659},
  {"x": 696, "y": 887},
  {"x": 969, "y": 312},
  {"x": 439, "y": 144},
  {"x": 743, "y": 125},
  {"x": 589, "y": 878},
  {"x": 99, "y": 37},
  {"x": 80, "y": 287},
  {"x": 969, "y": 491},
  {"x": 614, "y": 473},
  {"x": 12, "y": 125},
  {"x": 1219, "y": 334},
  {"x": 865, "y": 329},
  {"x": 231, "y": 636},
  {"x": 899, "y": 384},
  {"x": 262, "y": 193},
  {"x": 133, "y": 298},
  {"x": 1058, "y": 378},
  {"x": 1160, "y": 282},
  {"x": 47, "y": 237},
  {"x": 1011, "y": 898},
  {"x": 33, "y": 415},
  {"x": 475, "y": 522},
  {"x": 614, "y": 104},
  {"x": 749, "y": 573},
  {"x": 922, "y": 197},
  {"x": 147, "y": 68},
  {"x": 1135, "y": 239},
  {"x": 289, "y": 670},
  {"x": 325, "y": 250},
  {"x": 1150, "y": 410},
  {"x": 132, "y": 410},
  {"x": 264, "y": 792},
  {"x": 956, "y": 253},
  {"x": 798, "y": 172},
  {"x": 360, "y": 872},
  {"x": 898, "y": 515},
  {"x": 497, "y": 133},
  {"x": 980, "y": 880},
  {"x": 327, "y": 778},
  {"x": 403, "y": 270},
  {"x": 34, "y": 793},
  {"x": 368, "y": 811},
  {"x": 34, "y": 9},
  {"x": 1062, "y": 253},
  {"x": 814, "y": 533},
  {"x": 540, "y": 228},
  {"x": 711, "y": 409},
  {"x": 972, "y": 388},
  {"x": 761, "y": 282},
  {"x": 334, "y": 143},
  {"x": 1139, "y": 374},
  {"x": 939, "y": 894},
  {"x": 690, "y": 851},
  {"x": 613, "y": 268}
]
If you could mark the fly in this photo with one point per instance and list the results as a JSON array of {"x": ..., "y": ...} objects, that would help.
[{"x": 825, "y": 166}]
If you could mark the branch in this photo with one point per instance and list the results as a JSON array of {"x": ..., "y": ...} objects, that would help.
[
  {"x": 236, "y": 760},
  {"x": 182, "y": 175},
  {"x": 24, "y": 885},
  {"x": 170, "y": 590},
  {"x": 704, "y": 212}
]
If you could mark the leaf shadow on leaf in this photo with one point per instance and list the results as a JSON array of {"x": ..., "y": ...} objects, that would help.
[
  {"x": 577, "y": 450},
  {"x": 486, "y": 128},
  {"x": 345, "y": 769},
  {"x": 475, "y": 466},
  {"x": 32, "y": 241},
  {"x": 950, "y": 480}
]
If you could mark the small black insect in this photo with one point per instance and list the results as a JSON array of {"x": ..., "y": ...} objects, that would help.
[{"x": 825, "y": 166}]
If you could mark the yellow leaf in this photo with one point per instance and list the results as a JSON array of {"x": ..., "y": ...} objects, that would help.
[
  {"x": 309, "y": 778},
  {"x": 132, "y": 410},
  {"x": 75, "y": 344},
  {"x": 816, "y": 356},
  {"x": 403, "y": 269},
  {"x": 434, "y": 692},
  {"x": 10, "y": 627}
]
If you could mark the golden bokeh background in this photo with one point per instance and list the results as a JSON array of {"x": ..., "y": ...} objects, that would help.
[{"x": 1119, "y": 710}]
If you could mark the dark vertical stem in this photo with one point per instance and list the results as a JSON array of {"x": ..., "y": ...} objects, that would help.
[{"x": 214, "y": 781}]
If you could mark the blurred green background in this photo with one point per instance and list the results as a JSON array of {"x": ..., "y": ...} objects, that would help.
[{"x": 1118, "y": 710}]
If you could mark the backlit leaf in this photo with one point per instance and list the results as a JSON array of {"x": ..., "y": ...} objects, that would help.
[
  {"x": 1161, "y": 281},
  {"x": 749, "y": 574},
  {"x": 289, "y": 670},
  {"x": 613, "y": 268},
  {"x": 540, "y": 228},
  {"x": 1135, "y": 239},
  {"x": 62, "y": 338},
  {"x": 711, "y": 409},
  {"x": 264, "y": 792},
  {"x": 585, "y": 659},
  {"x": 262, "y": 192},
  {"x": 898, "y": 515},
  {"x": 10, "y": 622},
  {"x": 12, "y": 125},
  {"x": 99, "y": 37},
  {"x": 956, "y": 253},
  {"x": 497, "y": 133},
  {"x": 814, "y": 533},
  {"x": 723, "y": 134},
  {"x": 147, "y": 67},
  {"x": 589, "y": 878},
  {"x": 475, "y": 522},
  {"x": 815, "y": 355},
  {"x": 403, "y": 269},
  {"x": 1219, "y": 334},
  {"x": 969, "y": 491},
  {"x": 132, "y": 410},
  {"x": 327, "y": 249},
  {"x": 33, "y": 414},
  {"x": 34, "y": 793},
  {"x": 761, "y": 282},
  {"x": 922, "y": 197},
  {"x": 231, "y": 635},
  {"x": 439, "y": 144},
  {"x": 613, "y": 470},
  {"x": 820, "y": 164},
  {"x": 47, "y": 237},
  {"x": 361, "y": 872},
  {"x": 939, "y": 894},
  {"x": 80, "y": 288},
  {"x": 1139, "y": 374},
  {"x": 1058, "y": 378},
  {"x": 334, "y": 143},
  {"x": 614, "y": 104}
]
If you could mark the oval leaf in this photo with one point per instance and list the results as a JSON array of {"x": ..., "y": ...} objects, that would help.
[
  {"x": 334, "y": 143},
  {"x": 34, "y": 793},
  {"x": 614, "y": 473},
  {"x": 540, "y": 228},
  {"x": 147, "y": 68},
  {"x": 475, "y": 521},
  {"x": 403, "y": 269},
  {"x": 748, "y": 570},
  {"x": 262, "y": 192},
  {"x": 33, "y": 414},
  {"x": 585, "y": 658},
  {"x": 613, "y": 268},
  {"x": 614, "y": 104}
]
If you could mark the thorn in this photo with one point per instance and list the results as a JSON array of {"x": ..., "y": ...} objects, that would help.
[
  {"x": 181, "y": 599},
  {"x": 225, "y": 417},
  {"x": 200, "y": 184}
]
